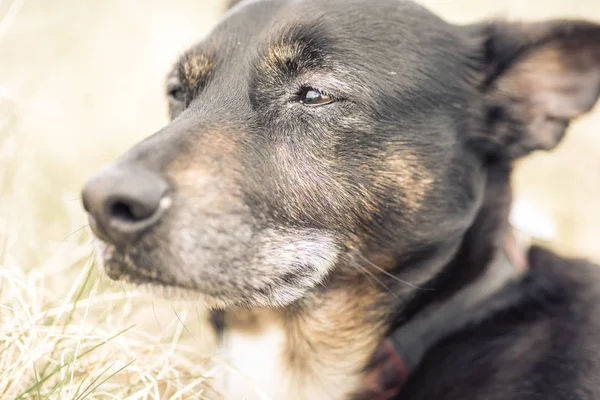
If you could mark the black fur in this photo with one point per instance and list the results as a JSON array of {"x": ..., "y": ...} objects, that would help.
[{"x": 543, "y": 347}]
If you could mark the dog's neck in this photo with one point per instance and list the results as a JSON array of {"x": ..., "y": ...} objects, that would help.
[
  {"x": 320, "y": 350},
  {"x": 307, "y": 352},
  {"x": 402, "y": 352},
  {"x": 467, "y": 289}
]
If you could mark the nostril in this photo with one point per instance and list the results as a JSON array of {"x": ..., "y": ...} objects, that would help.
[
  {"x": 133, "y": 210},
  {"x": 124, "y": 202},
  {"x": 123, "y": 212}
]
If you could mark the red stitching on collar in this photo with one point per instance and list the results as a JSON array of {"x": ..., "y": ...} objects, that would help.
[{"x": 392, "y": 360}]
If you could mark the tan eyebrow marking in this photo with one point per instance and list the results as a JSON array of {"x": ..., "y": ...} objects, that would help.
[
  {"x": 293, "y": 51},
  {"x": 196, "y": 68},
  {"x": 281, "y": 56}
]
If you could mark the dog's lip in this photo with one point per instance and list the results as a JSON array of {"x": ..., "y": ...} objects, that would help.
[
  {"x": 118, "y": 265},
  {"x": 117, "y": 269}
]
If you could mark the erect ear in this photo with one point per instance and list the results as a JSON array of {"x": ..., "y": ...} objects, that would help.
[{"x": 537, "y": 78}]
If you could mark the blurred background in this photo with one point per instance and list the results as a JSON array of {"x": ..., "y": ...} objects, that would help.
[{"x": 82, "y": 81}]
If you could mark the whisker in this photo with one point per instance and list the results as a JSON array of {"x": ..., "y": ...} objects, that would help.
[
  {"x": 392, "y": 275},
  {"x": 364, "y": 270},
  {"x": 74, "y": 232},
  {"x": 184, "y": 327},
  {"x": 361, "y": 270},
  {"x": 156, "y": 318}
]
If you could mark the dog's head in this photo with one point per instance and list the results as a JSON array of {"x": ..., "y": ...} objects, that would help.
[{"x": 307, "y": 133}]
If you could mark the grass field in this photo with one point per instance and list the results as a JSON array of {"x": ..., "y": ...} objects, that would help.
[{"x": 80, "y": 82}]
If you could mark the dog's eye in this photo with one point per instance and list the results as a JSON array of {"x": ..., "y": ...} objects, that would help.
[
  {"x": 176, "y": 92},
  {"x": 314, "y": 97}
]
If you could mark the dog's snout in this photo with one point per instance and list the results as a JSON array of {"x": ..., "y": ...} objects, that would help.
[{"x": 122, "y": 202}]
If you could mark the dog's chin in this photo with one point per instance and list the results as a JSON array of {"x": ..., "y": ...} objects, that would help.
[
  {"x": 120, "y": 268},
  {"x": 283, "y": 267}
]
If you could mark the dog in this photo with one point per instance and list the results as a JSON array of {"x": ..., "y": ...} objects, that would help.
[{"x": 335, "y": 182}]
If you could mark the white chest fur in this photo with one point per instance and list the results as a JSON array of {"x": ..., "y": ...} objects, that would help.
[
  {"x": 254, "y": 350},
  {"x": 261, "y": 365}
]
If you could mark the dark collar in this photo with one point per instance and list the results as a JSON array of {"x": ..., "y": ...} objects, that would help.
[{"x": 401, "y": 353}]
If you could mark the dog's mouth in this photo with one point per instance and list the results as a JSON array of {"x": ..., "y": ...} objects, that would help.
[
  {"x": 277, "y": 267},
  {"x": 120, "y": 267}
]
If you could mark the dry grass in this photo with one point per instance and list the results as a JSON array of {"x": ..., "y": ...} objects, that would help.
[
  {"x": 63, "y": 332},
  {"x": 79, "y": 83}
]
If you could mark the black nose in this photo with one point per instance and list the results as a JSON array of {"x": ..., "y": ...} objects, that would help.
[{"x": 122, "y": 202}]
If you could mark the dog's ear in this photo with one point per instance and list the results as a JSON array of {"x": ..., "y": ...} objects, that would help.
[{"x": 537, "y": 78}]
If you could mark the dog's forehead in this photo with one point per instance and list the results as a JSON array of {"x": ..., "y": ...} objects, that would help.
[
  {"x": 399, "y": 41},
  {"x": 255, "y": 23}
]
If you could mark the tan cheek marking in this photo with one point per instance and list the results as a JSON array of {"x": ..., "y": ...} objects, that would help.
[
  {"x": 314, "y": 184},
  {"x": 407, "y": 170}
]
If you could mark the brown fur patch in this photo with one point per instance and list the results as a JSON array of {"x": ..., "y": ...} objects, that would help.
[
  {"x": 209, "y": 171},
  {"x": 327, "y": 342},
  {"x": 207, "y": 154},
  {"x": 279, "y": 54},
  {"x": 340, "y": 329},
  {"x": 408, "y": 171},
  {"x": 196, "y": 69},
  {"x": 287, "y": 55}
]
